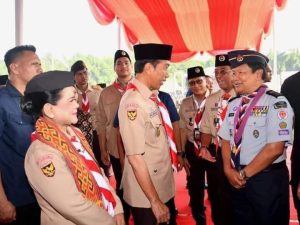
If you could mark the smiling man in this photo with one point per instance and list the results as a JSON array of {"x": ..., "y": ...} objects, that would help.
[
  {"x": 190, "y": 112},
  {"x": 213, "y": 116},
  {"x": 256, "y": 129},
  {"x": 148, "y": 181}
]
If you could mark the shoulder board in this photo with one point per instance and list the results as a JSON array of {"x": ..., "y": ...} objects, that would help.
[
  {"x": 273, "y": 93},
  {"x": 230, "y": 100}
]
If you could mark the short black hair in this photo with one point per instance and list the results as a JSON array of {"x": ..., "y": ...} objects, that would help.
[
  {"x": 140, "y": 64},
  {"x": 33, "y": 103},
  {"x": 12, "y": 54},
  {"x": 256, "y": 66}
]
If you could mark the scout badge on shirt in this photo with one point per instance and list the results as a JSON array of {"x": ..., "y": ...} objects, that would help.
[
  {"x": 157, "y": 131},
  {"x": 132, "y": 114},
  {"x": 46, "y": 165},
  {"x": 256, "y": 133}
]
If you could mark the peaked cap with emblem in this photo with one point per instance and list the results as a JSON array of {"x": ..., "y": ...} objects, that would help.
[
  {"x": 121, "y": 53},
  {"x": 222, "y": 60},
  {"x": 152, "y": 51},
  {"x": 196, "y": 71},
  {"x": 240, "y": 57},
  {"x": 49, "y": 81}
]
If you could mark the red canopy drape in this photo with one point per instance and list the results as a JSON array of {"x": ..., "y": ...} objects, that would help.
[{"x": 191, "y": 26}]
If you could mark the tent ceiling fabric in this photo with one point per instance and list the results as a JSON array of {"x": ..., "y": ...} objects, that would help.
[{"x": 191, "y": 26}]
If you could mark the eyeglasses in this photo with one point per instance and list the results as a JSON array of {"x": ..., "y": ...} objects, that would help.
[
  {"x": 194, "y": 82},
  {"x": 221, "y": 72}
]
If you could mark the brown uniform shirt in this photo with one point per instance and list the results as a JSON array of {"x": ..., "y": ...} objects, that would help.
[
  {"x": 108, "y": 105},
  {"x": 212, "y": 104},
  {"x": 93, "y": 94},
  {"x": 57, "y": 195},
  {"x": 187, "y": 113},
  {"x": 143, "y": 133}
]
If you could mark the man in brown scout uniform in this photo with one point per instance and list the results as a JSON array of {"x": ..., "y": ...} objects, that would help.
[
  {"x": 88, "y": 97},
  {"x": 148, "y": 181},
  {"x": 190, "y": 113},
  {"x": 213, "y": 116},
  {"x": 107, "y": 108}
]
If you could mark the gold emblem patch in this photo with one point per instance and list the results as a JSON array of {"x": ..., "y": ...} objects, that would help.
[
  {"x": 132, "y": 114},
  {"x": 49, "y": 170}
]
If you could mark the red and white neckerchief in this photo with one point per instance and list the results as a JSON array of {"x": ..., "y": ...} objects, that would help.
[
  {"x": 222, "y": 109},
  {"x": 85, "y": 105},
  {"x": 107, "y": 197},
  {"x": 197, "y": 122},
  {"x": 118, "y": 86},
  {"x": 166, "y": 121}
]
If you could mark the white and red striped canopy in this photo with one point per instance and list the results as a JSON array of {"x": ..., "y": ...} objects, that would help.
[{"x": 191, "y": 26}]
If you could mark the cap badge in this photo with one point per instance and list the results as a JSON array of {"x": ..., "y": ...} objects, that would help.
[
  {"x": 239, "y": 58},
  {"x": 197, "y": 70},
  {"x": 221, "y": 58},
  {"x": 123, "y": 53}
]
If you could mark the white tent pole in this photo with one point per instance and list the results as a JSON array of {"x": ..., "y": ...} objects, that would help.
[
  {"x": 275, "y": 47},
  {"x": 119, "y": 33},
  {"x": 18, "y": 22}
]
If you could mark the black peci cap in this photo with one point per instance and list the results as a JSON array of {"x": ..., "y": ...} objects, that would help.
[
  {"x": 196, "y": 71},
  {"x": 152, "y": 51},
  {"x": 49, "y": 81},
  {"x": 222, "y": 60}
]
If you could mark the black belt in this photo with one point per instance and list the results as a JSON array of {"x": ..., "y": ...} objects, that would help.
[{"x": 273, "y": 166}]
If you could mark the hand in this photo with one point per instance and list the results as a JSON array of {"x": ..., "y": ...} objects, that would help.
[
  {"x": 180, "y": 162},
  {"x": 105, "y": 158},
  {"x": 234, "y": 178},
  {"x": 187, "y": 166},
  {"x": 119, "y": 218},
  {"x": 205, "y": 154},
  {"x": 161, "y": 212},
  {"x": 7, "y": 212}
]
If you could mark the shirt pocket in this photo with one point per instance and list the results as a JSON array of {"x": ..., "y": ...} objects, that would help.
[
  {"x": 256, "y": 128},
  {"x": 154, "y": 130},
  {"x": 20, "y": 119}
]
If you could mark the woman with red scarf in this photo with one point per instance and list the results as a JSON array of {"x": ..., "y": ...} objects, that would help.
[{"x": 68, "y": 183}]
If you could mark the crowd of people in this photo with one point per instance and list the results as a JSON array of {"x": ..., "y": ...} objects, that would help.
[{"x": 59, "y": 136}]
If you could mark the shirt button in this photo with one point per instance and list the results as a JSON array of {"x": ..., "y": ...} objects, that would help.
[{"x": 155, "y": 171}]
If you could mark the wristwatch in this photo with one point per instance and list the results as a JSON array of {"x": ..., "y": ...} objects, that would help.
[
  {"x": 181, "y": 153},
  {"x": 243, "y": 175}
]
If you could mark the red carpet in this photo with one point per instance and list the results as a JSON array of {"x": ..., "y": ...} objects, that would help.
[{"x": 182, "y": 202}]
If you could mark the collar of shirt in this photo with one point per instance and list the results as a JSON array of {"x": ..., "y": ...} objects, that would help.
[
  {"x": 11, "y": 90},
  {"x": 143, "y": 89},
  {"x": 231, "y": 92},
  {"x": 89, "y": 89}
]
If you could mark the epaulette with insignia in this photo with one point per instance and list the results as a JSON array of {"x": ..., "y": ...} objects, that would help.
[
  {"x": 230, "y": 100},
  {"x": 273, "y": 93}
]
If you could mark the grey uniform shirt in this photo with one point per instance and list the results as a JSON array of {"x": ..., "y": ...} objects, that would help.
[{"x": 271, "y": 120}]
